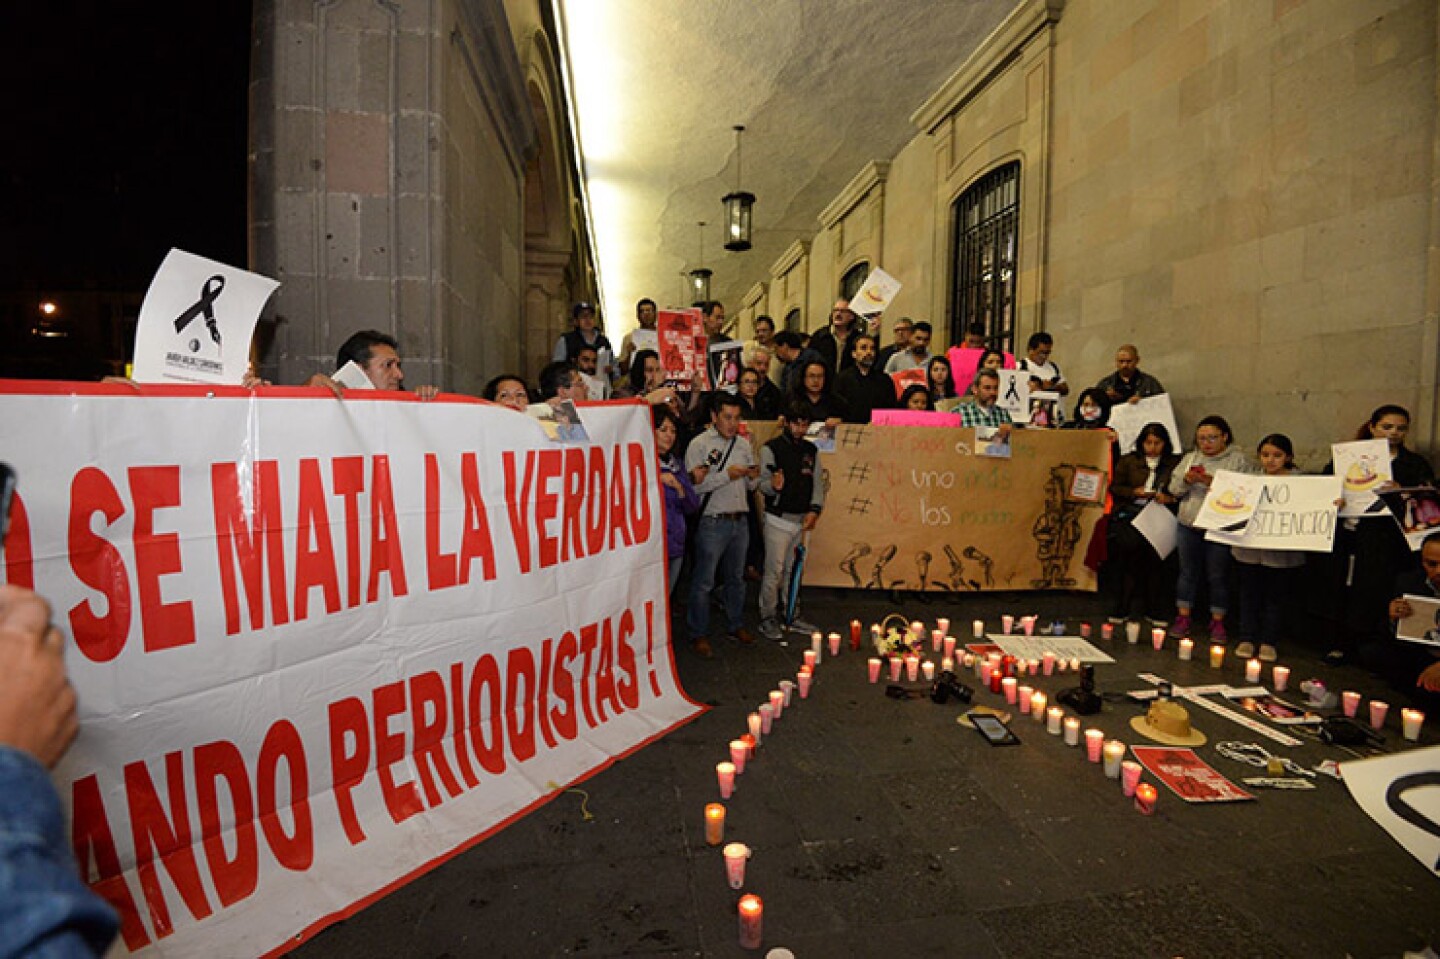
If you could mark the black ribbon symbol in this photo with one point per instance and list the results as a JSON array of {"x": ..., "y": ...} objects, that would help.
[
  {"x": 1408, "y": 812},
  {"x": 1013, "y": 393},
  {"x": 209, "y": 293}
]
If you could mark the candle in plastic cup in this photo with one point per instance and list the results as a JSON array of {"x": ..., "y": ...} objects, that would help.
[
  {"x": 1217, "y": 656},
  {"x": 1033, "y": 667},
  {"x": 1037, "y": 705},
  {"x": 834, "y": 639},
  {"x": 1411, "y": 720},
  {"x": 725, "y": 773},
  {"x": 1084, "y": 630},
  {"x": 1145, "y": 796},
  {"x": 777, "y": 702},
  {"x": 967, "y": 659},
  {"x": 1007, "y": 623},
  {"x": 896, "y": 664},
  {"x": 1047, "y": 663},
  {"x": 735, "y": 855},
  {"x": 947, "y": 665},
  {"x": 927, "y": 668},
  {"x": 985, "y": 670},
  {"x": 854, "y": 634},
  {"x": 1022, "y": 697},
  {"x": 1107, "y": 631},
  {"x": 817, "y": 638},
  {"x": 749, "y": 742},
  {"x": 714, "y": 824},
  {"x": 995, "y": 679},
  {"x": 977, "y": 629},
  {"x": 936, "y": 638},
  {"x": 912, "y": 667},
  {"x": 917, "y": 630},
  {"x": 809, "y": 657},
  {"x": 1280, "y": 675},
  {"x": 788, "y": 688},
  {"x": 753, "y": 721},
  {"x": 767, "y": 718},
  {"x": 948, "y": 644},
  {"x": 1130, "y": 772},
  {"x": 752, "y": 921},
  {"x": 1053, "y": 717},
  {"x": 805, "y": 678},
  {"x": 1074, "y": 664},
  {"x": 1114, "y": 752},
  {"x": 1027, "y": 623},
  {"x": 943, "y": 625},
  {"x": 1062, "y": 665},
  {"x": 1157, "y": 638},
  {"x": 1072, "y": 731},
  {"x": 1094, "y": 742},
  {"x": 1252, "y": 671},
  {"x": 873, "y": 663},
  {"x": 1377, "y": 713},
  {"x": 1187, "y": 649},
  {"x": 1350, "y": 702},
  {"x": 1132, "y": 633},
  {"x": 739, "y": 752},
  {"x": 1008, "y": 686}
]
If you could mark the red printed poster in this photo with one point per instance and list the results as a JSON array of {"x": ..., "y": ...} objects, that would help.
[
  {"x": 682, "y": 346},
  {"x": 905, "y": 379},
  {"x": 321, "y": 647},
  {"x": 1187, "y": 775}
]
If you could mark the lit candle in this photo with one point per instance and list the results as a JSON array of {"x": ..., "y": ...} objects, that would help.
[
  {"x": 1047, "y": 663},
  {"x": 788, "y": 688},
  {"x": 996, "y": 678},
  {"x": 1022, "y": 697},
  {"x": 804, "y": 678},
  {"x": 937, "y": 636},
  {"x": 917, "y": 630},
  {"x": 725, "y": 772},
  {"x": 1072, "y": 731},
  {"x": 947, "y": 665},
  {"x": 809, "y": 657},
  {"x": 767, "y": 717},
  {"x": 1252, "y": 671},
  {"x": 985, "y": 674},
  {"x": 1412, "y": 720},
  {"x": 1157, "y": 638},
  {"x": 1217, "y": 656},
  {"x": 1062, "y": 665},
  {"x": 1145, "y": 796},
  {"x": 816, "y": 638},
  {"x": 1084, "y": 630},
  {"x": 752, "y": 916},
  {"x": 1074, "y": 664},
  {"x": 749, "y": 742},
  {"x": 1130, "y": 772},
  {"x": 977, "y": 629},
  {"x": 1094, "y": 742},
  {"x": 1132, "y": 633},
  {"x": 834, "y": 639},
  {"x": 735, "y": 854},
  {"x": 873, "y": 664},
  {"x": 1008, "y": 684},
  {"x": 1027, "y": 623},
  {"x": 854, "y": 634},
  {"x": 738, "y": 754},
  {"x": 1007, "y": 623},
  {"x": 912, "y": 667},
  {"x": 753, "y": 721},
  {"x": 1032, "y": 667},
  {"x": 1377, "y": 713},
  {"x": 968, "y": 660},
  {"x": 1281, "y": 677},
  {"x": 949, "y": 646},
  {"x": 1107, "y": 631},
  {"x": 928, "y": 669},
  {"x": 1114, "y": 752},
  {"x": 943, "y": 625},
  {"x": 1053, "y": 717},
  {"x": 1037, "y": 705},
  {"x": 714, "y": 824},
  {"x": 777, "y": 703},
  {"x": 1187, "y": 649},
  {"x": 896, "y": 664},
  {"x": 1350, "y": 702}
]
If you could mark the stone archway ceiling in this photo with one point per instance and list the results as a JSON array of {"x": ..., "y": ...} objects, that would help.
[{"x": 822, "y": 87}]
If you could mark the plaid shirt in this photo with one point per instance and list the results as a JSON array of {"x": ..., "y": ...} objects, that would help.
[{"x": 973, "y": 414}]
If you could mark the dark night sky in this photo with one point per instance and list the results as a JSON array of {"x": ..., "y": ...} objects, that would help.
[{"x": 126, "y": 135}]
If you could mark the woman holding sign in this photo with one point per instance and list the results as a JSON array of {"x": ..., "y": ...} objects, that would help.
[
  {"x": 1140, "y": 582},
  {"x": 1267, "y": 576},
  {"x": 1200, "y": 559}
]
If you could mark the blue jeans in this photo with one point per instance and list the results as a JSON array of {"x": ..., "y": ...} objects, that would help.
[
  {"x": 720, "y": 544},
  {"x": 1202, "y": 560}
]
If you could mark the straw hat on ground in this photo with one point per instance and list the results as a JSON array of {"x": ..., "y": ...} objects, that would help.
[{"x": 1166, "y": 721}]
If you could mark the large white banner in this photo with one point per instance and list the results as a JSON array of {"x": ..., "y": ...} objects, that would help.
[{"x": 321, "y": 646}]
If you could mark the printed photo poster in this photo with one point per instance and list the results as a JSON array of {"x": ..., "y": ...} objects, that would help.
[
  {"x": 1423, "y": 624},
  {"x": 1187, "y": 775},
  {"x": 1231, "y": 501},
  {"x": 1399, "y": 792},
  {"x": 1128, "y": 419},
  {"x": 1044, "y": 410},
  {"x": 725, "y": 365},
  {"x": 1014, "y": 394},
  {"x": 197, "y": 320},
  {"x": 1363, "y": 466},
  {"x": 874, "y": 296},
  {"x": 1087, "y": 485},
  {"x": 1416, "y": 509},
  {"x": 992, "y": 441},
  {"x": 906, "y": 379},
  {"x": 682, "y": 346},
  {"x": 1292, "y": 513}
]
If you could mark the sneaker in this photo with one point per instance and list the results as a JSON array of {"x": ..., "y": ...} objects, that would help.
[
  {"x": 743, "y": 636},
  {"x": 800, "y": 626},
  {"x": 1244, "y": 650},
  {"x": 1218, "y": 635},
  {"x": 770, "y": 629},
  {"x": 702, "y": 648},
  {"x": 1268, "y": 653},
  {"x": 1181, "y": 626}
]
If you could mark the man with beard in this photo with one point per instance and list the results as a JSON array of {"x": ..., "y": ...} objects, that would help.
[
  {"x": 863, "y": 385},
  {"x": 833, "y": 342}
]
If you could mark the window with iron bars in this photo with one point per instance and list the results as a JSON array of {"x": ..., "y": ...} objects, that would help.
[{"x": 985, "y": 236}]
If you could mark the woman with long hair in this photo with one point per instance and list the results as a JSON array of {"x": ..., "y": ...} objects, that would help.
[{"x": 1140, "y": 582}]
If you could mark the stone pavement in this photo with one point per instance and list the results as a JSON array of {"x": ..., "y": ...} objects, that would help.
[{"x": 882, "y": 828}]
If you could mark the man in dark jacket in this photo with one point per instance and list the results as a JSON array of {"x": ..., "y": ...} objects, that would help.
[
  {"x": 864, "y": 386},
  {"x": 833, "y": 342}
]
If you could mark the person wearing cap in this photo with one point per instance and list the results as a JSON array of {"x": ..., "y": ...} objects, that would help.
[
  {"x": 586, "y": 333},
  {"x": 833, "y": 342},
  {"x": 903, "y": 328}
]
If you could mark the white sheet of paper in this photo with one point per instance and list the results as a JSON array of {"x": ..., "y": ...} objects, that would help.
[
  {"x": 1362, "y": 465},
  {"x": 1128, "y": 419},
  {"x": 875, "y": 294},
  {"x": 645, "y": 340},
  {"x": 196, "y": 322},
  {"x": 1423, "y": 623},
  {"x": 1294, "y": 513},
  {"x": 1398, "y": 792},
  {"x": 1157, "y": 524},
  {"x": 1015, "y": 394},
  {"x": 352, "y": 377},
  {"x": 1230, "y": 501},
  {"x": 1035, "y": 647}
]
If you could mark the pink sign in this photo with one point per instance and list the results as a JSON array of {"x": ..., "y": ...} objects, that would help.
[
  {"x": 913, "y": 418},
  {"x": 964, "y": 361}
]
